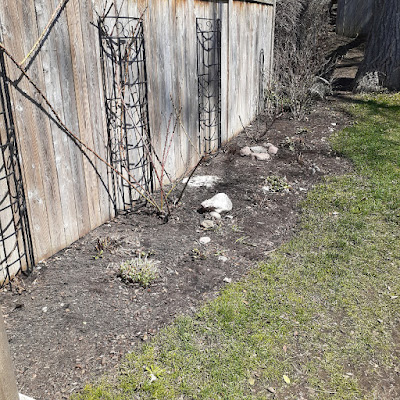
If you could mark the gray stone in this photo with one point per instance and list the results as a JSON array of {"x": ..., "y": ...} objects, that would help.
[
  {"x": 259, "y": 149},
  {"x": 207, "y": 224},
  {"x": 202, "y": 181},
  {"x": 219, "y": 203}
]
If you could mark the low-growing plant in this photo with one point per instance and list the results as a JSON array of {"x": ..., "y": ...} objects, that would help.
[
  {"x": 103, "y": 244},
  {"x": 141, "y": 270},
  {"x": 277, "y": 184},
  {"x": 198, "y": 254}
]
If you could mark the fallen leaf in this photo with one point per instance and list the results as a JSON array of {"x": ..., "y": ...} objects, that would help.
[
  {"x": 284, "y": 348},
  {"x": 252, "y": 381},
  {"x": 286, "y": 379},
  {"x": 271, "y": 389}
]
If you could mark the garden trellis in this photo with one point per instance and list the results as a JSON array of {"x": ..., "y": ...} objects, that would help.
[{"x": 91, "y": 140}]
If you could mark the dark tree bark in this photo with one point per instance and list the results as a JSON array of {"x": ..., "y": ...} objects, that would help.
[{"x": 382, "y": 55}]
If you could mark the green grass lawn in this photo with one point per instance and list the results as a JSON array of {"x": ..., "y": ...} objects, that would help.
[{"x": 319, "y": 319}]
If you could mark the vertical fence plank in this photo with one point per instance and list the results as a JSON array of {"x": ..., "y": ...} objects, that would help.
[
  {"x": 19, "y": 38},
  {"x": 90, "y": 199},
  {"x": 98, "y": 134},
  {"x": 50, "y": 63}
]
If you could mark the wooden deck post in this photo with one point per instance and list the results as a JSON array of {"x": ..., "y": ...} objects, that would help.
[{"x": 8, "y": 384}]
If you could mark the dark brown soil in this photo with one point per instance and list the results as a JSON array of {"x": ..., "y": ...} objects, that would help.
[{"x": 73, "y": 319}]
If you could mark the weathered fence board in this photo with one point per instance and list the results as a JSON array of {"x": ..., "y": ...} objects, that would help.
[
  {"x": 69, "y": 190},
  {"x": 354, "y": 17},
  {"x": 21, "y": 40}
]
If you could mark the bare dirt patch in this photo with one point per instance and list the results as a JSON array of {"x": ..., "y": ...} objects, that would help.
[{"x": 73, "y": 319}]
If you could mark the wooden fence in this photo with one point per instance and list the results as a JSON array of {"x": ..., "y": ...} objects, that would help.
[
  {"x": 354, "y": 17},
  {"x": 69, "y": 190}
]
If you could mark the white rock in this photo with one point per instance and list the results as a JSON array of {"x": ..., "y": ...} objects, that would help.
[
  {"x": 44, "y": 309},
  {"x": 205, "y": 240},
  {"x": 258, "y": 149},
  {"x": 202, "y": 181},
  {"x": 245, "y": 151},
  {"x": 215, "y": 215},
  {"x": 261, "y": 156},
  {"x": 266, "y": 189},
  {"x": 228, "y": 280},
  {"x": 272, "y": 149},
  {"x": 23, "y": 397},
  {"x": 222, "y": 258},
  {"x": 219, "y": 203}
]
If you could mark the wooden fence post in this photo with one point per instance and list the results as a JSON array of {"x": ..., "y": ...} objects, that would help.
[{"x": 8, "y": 384}]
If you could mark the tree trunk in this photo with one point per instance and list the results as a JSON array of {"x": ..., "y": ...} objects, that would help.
[{"x": 381, "y": 65}]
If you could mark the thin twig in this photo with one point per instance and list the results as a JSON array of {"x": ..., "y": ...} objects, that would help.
[
  {"x": 61, "y": 5},
  {"x": 190, "y": 176}
]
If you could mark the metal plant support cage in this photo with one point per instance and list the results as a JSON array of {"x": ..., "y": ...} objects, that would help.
[
  {"x": 261, "y": 80},
  {"x": 16, "y": 250},
  {"x": 123, "y": 60},
  {"x": 209, "y": 83}
]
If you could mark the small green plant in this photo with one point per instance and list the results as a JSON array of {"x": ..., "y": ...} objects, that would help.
[
  {"x": 302, "y": 131},
  {"x": 139, "y": 270},
  {"x": 154, "y": 371},
  {"x": 244, "y": 240},
  {"x": 276, "y": 184},
  {"x": 219, "y": 253},
  {"x": 237, "y": 228},
  {"x": 103, "y": 244},
  {"x": 198, "y": 254},
  {"x": 289, "y": 143}
]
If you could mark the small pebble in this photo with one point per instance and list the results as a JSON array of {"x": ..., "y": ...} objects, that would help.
[
  {"x": 215, "y": 215},
  {"x": 272, "y": 149},
  {"x": 228, "y": 280},
  {"x": 245, "y": 151},
  {"x": 207, "y": 224},
  {"x": 222, "y": 258},
  {"x": 205, "y": 240}
]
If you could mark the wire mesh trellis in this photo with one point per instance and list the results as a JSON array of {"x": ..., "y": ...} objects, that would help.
[
  {"x": 16, "y": 250},
  {"x": 209, "y": 83},
  {"x": 261, "y": 80},
  {"x": 125, "y": 94}
]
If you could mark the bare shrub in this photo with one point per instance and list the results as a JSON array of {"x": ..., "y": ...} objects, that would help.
[{"x": 300, "y": 30}]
